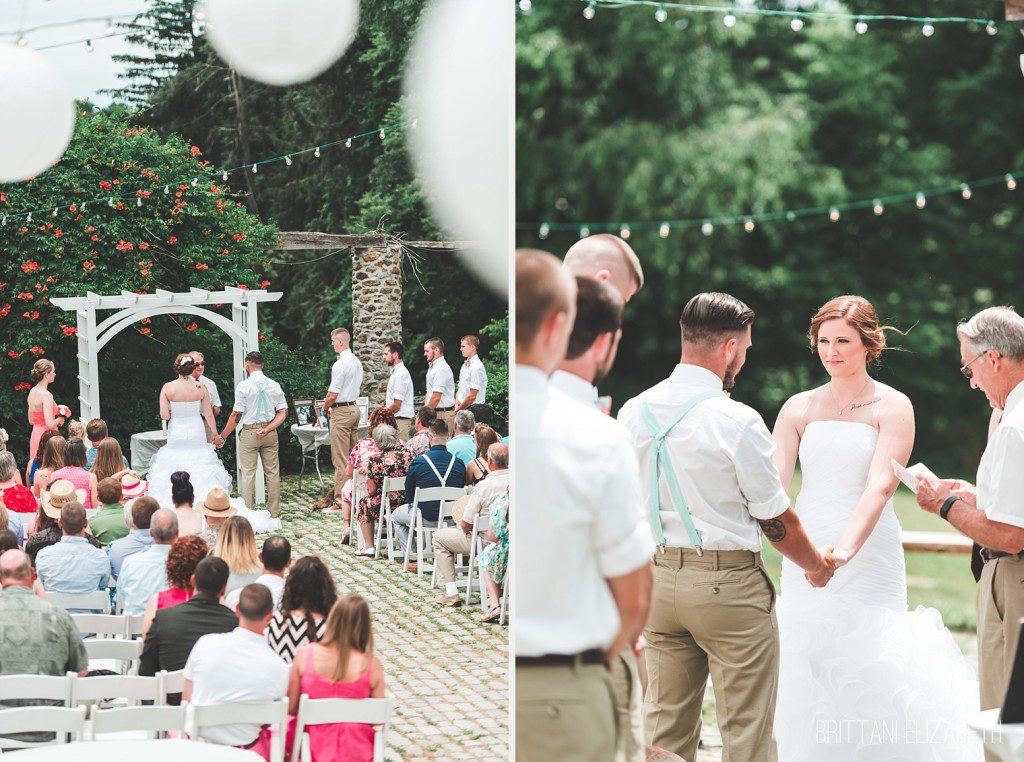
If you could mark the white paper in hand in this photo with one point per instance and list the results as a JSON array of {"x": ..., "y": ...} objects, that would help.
[{"x": 910, "y": 476}]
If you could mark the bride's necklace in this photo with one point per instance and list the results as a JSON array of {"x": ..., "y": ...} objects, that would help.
[{"x": 849, "y": 405}]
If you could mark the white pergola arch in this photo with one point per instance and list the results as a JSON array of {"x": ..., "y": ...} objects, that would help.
[{"x": 128, "y": 307}]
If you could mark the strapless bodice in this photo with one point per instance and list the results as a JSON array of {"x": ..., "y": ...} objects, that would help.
[
  {"x": 184, "y": 409},
  {"x": 835, "y": 457}
]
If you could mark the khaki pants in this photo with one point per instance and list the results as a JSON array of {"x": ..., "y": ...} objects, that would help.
[
  {"x": 252, "y": 449},
  {"x": 448, "y": 543},
  {"x": 625, "y": 677},
  {"x": 449, "y": 417},
  {"x": 564, "y": 714},
  {"x": 712, "y": 614},
  {"x": 344, "y": 433},
  {"x": 405, "y": 429},
  {"x": 1000, "y": 608}
]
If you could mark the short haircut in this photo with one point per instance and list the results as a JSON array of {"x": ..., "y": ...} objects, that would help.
[
  {"x": 497, "y": 453},
  {"x": 8, "y": 465},
  {"x": 255, "y": 358},
  {"x": 109, "y": 491},
  {"x": 482, "y": 412},
  {"x": 540, "y": 293},
  {"x": 277, "y": 552},
  {"x": 998, "y": 328},
  {"x": 605, "y": 251},
  {"x": 143, "y": 509},
  {"x": 255, "y": 602},
  {"x": 395, "y": 348},
  {"x": 426, "y": 415},
  {"x": 438, "y": 428},
  {"x": 385, "y": 436},
  {"x": 163, "y": 525},
  {"x": 464, "y": 421},
  {"x": 471, "y": 339},
  {"x": 15, "y": 564},
  {"x": 72, "y": 517},
  {"x": 341, "y": 331},
  {"x": 96, "y": 429},
  {"x": 212, "y": 575},
  {"x": 708, "y": 319},
  {"x": 598, "y": 311},
  {"x": 436, "y": 342},
  {"x": 8, "y": 541}
]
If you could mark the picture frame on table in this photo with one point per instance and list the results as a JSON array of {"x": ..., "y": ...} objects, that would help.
[
  {"x": 323, "y": 418},
  {"x": 305, "y": 412}
]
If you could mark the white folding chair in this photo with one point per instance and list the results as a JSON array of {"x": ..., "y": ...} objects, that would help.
[
  {"x": 506, "y": 584},
  {"x": 446, "y": 496},
  {"x": 273, "y": 713},
  {"x": 97, "y": 600},
  {"x": 36, "y": 688},
  {"x": 391, "y": 484},
  {"x": 152, "y": 719},
  {"x": 476, "y": 546},
  {"x": 170, "y": 682},
  {"x": 355, "y": 537},
  {"x": 125, "y": 651},
  {"x": 330, "y": 711},
  {"x": 41, "y": 719},
  {"x": 133, "y": 625},
  {"x": 100, "y": 687},
  {"x": 100, "y": 624}
]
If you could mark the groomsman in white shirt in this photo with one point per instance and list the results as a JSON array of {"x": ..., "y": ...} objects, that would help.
[
  {"x": 581, "y": 516},
  {"x": 399, "y": 396},
  {"x": 346, "y": 381},
  {"x": 440, "y": 382},
  {"x": 199, "y": 374},
  {"x": 472, "y": 389},
  {"x": 607, "y": 257},
  {"x": 712, "y": 490}
]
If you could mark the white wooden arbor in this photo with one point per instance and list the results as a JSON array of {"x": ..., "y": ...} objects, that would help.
[{"x": 95, "y": 332}]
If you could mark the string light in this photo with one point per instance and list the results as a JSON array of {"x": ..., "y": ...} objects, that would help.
[
  {"x": 195, "y": 181},
  {"x": 965, "y": 190},
  {"x": 796, "y": 24},
  {"x": 89, "y": 47},
  {"x": 22, "y": 41},
  {"x": 749, "y": 225},
  {"x": 525, "y": 6},
  {"x": 833, "y": 214},
  {"x": 861, "y": 27},
  {"x": 584, "y": 231},
  {"x": 348, "y": 143},
  {"x": 877, "y": 207},
  {"x": 661, "y": 15},
  {"x": 707, "y": 228},
  {"x": 545, "y": 228},
  {"x": 199, "y": 15},
  {"x": 1011, "y": 183},
  {"x": 30, "y": 216},
  {"x": 255, "y": 169},
  {"x": 54, "y": 214},
  {"x": 928, "y": 29},
  {"x": 287, "y": 160},
  {"x": 590, "y": 10},
  {"x": 167, "y": 189},
  {"x": 381, "y": 134},
  {"x": 224, "y": 176},
  {"x": 316, "y": 153},
  {"x": 138, "y": 201},
  {"x": 920, "y": 200},
  {"x": 109, "y": 31},
  {"x": 663, "y": 231},
  {"x": 791, "y": 216},
  {"x": 729, "y": 20},
  {"x": 624, "y": 232},
  {"x": 992, "y": 29}
]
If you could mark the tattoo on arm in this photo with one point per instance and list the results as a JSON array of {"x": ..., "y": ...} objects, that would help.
[{"x": 773, "y": 529}]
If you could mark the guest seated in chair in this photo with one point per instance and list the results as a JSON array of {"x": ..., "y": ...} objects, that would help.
[
  {"x": 185, "y": 554},
  {"x": 73, "y": 565},
  {"x": 308, "y": 597},
  {"x": 359, "y": 459},
  {"x": 392, "y": 462},
  {"x": 139, "y": 539}
]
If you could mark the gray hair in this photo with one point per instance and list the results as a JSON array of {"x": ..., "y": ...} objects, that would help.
[
  {"x": 497, "y": 453},
  {"x": 998, "y": 328},
  {"x": 8, "y": 465},
  {"x": 385, "y": 437},
  {"x": 465, "y": 420},
  {"x": 164, "y": 526}
]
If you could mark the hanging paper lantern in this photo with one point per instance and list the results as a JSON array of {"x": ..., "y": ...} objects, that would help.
[
  {"x": 459, "y": 87},
  {"x": 281, "y": 42},
  {"x": 38, "y": 114}
]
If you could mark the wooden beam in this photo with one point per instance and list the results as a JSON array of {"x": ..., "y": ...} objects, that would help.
[
  {"x": 303, "y": 240},
  {"x": 442, "y": 245},
  {"x": 937, "y": 542}
]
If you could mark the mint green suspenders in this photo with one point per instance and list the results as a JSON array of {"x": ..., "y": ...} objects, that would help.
[
  {"x": 264, "y": 410},
  {"x": 661, "y": 463}
]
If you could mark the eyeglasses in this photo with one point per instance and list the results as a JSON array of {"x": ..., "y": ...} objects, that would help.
[{"x": 966, "y": 369}]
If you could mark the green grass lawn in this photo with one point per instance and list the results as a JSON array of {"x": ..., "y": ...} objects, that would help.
[{"x": 937, "y": 580}]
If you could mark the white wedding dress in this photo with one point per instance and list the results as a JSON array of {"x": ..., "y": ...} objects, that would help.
[
  {"x": 187, "y": 450},
  {"x": 860, "y": 677}
]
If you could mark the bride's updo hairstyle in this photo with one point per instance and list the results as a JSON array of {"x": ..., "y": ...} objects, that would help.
[
  {"x": 182, "y": 492},
  {"x": 861, "y": 316},
  {"x": 40, "y": 370},
  {"x": 184, "y": 365}
]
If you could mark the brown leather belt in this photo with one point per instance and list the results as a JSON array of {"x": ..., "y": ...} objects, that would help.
[
  {"x": 403, "y": 418},
  {"x": 443, "y": 409},
  {"x": 987, "y": 554},
  {"x": 342, "y": 404},
  {"x": 592, "y": 656}
]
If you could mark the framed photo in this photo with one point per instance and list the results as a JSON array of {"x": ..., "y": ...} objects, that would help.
[
  {"x": 305, "y": 413},
  {"x": 363, "y": 403},
  {"x": 323, "y": 419}
]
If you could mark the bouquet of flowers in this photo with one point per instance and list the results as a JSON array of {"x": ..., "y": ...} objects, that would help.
[{"x": 64, "y": 410}]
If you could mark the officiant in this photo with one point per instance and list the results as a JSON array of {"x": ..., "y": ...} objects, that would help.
[
  {"x": 199, "y": 374},
  {"x": 992, "y": 512}
]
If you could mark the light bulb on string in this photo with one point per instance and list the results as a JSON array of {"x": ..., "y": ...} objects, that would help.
[
  {"x": 199, "y": 15},
  {"x": 525, "y": 6},
  {"x": 29, "y": 218},
  {"x": 138, "y": 201},
  {"x": 796, "y": 24},
  {"x": 89, "y": 47},
  {"x": 544, "y": 230},
  {"x": 584, "y": 231},
  {"x": 54, "y": 213},
  {"x": 663, "y": 231},
  {"x": 833, "y": 214},
  {"x": 381, "y": 135},
  {"x": 749, "y": 225},
  {"x": 661, "y": 15},
  {"x": 791, "y": 216},
  {"x": 1011, "y": 183},
  {"x": 729, "y": 20},
  {"x": 195, "y": 181},
  {"x": 991, "y": 28},
  {"x": 861, "y": 27},
  {"x": 255, "y": 169},
  {"x": 348, "y": 143},
  {"x": 83, "y": 207},
  {"x": 110, "y": 202},
  {"x": 707, "y": 228},
  {"x": 928, "y": 30},
  {"x": 624, "y": 232},
  {"x": 878, "y": 207},
  {"x": 109, "y": 31},
  {"x": 287, "y": 160},
  {"x": 316, "y": 152},
  {"x": 167, "y": 189},
  {"x": 3, "y": 219},
  {"x": 590, "y": 10},
  {"x": 965, "y": 190},
  {"x": 22, "y": 41},
  {"x": 224, "y": 176},
  {"x": 920, "y": 200}
]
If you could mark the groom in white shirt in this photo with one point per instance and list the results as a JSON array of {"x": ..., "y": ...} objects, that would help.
[{"x": 711, "y": 489}]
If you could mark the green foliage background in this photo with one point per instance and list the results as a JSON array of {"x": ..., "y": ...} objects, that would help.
[
  {"x": 178, "y": 95},
  {"x": 622, "y": 118}
]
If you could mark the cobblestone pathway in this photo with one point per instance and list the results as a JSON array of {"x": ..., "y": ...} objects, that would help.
[{"x": 447, "y": 674}]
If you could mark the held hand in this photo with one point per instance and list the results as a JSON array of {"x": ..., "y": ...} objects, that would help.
[
  {"x": 842, "y": 556},
  {"x": 640, "y": 645},
  {"x": 821, "y": 576},
  {"x": 931, "y": 494}
]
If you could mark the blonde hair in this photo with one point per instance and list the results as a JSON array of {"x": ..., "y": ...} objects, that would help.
[
  {"x": 109, "y": 459},
  {"x": 40, "y": 369},
  {"x": 5, "y": 521},
  {"x": 76, "y": 429},
  {"x": 236, "y": 545},
  {"x": 348, "y": 629}
]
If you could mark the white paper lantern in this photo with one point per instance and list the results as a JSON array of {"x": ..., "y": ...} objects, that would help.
[
  {"x": 458, "y": 85},
  {"x": 37, "y": 114},
  {"x": 281, "y": 42}
]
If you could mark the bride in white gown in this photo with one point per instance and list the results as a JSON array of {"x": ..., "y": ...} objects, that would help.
[
  {"x": 184, "y": 404},
  {"x": 860, "y": 676}
]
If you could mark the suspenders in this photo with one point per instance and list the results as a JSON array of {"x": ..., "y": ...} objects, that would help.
[
  {"x": 264, "y": 410},
  {"x": 447, "y": 473},
  {"x": 661, "y": 463}
]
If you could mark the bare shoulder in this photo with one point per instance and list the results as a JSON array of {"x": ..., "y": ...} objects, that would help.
[
  {"x": 892, "y": 401},
  {"x": 794, "y": 410}
]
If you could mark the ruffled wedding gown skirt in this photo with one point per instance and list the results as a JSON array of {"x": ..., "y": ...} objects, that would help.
[
  {"x": 860, "y": 676},
  {"x": 187, "y": 450}
]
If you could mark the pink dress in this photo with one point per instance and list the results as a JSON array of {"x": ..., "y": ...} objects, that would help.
[
  {"x": 38, "y": 420},
  {"x": 77, "y": 476},
  {"x": 342, "y": 741}
]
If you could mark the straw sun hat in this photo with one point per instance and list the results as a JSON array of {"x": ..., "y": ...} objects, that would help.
[
  {"x": 217, "y": 503},
  {"x": 61, "y": 493}
]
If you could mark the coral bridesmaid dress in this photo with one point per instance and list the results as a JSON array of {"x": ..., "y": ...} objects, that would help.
[{"x": 38, "y": 420}]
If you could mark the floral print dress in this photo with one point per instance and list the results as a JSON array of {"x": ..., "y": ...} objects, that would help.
[
  {"x": 359, "y": 458},
  {"x": 388, "y": 464},
  {"x": 494, "y": 557}
]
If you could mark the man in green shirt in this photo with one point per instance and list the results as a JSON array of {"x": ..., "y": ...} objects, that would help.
[
  {"x": 109, "y": 524},
  {"x": 37, "y": 638}
]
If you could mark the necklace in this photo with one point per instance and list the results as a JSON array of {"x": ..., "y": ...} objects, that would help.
[{"x": 848, "y": 405}]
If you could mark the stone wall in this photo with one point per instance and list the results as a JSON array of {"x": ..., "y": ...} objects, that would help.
[{"x": 376, "y": 312}]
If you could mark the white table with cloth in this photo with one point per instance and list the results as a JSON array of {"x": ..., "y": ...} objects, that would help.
[
  {"x": 311, "y": 439},
  {"x": 143, "y": 447}
]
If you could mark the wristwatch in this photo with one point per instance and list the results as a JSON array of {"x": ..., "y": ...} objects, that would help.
[{"x": 944, "y": 510}]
